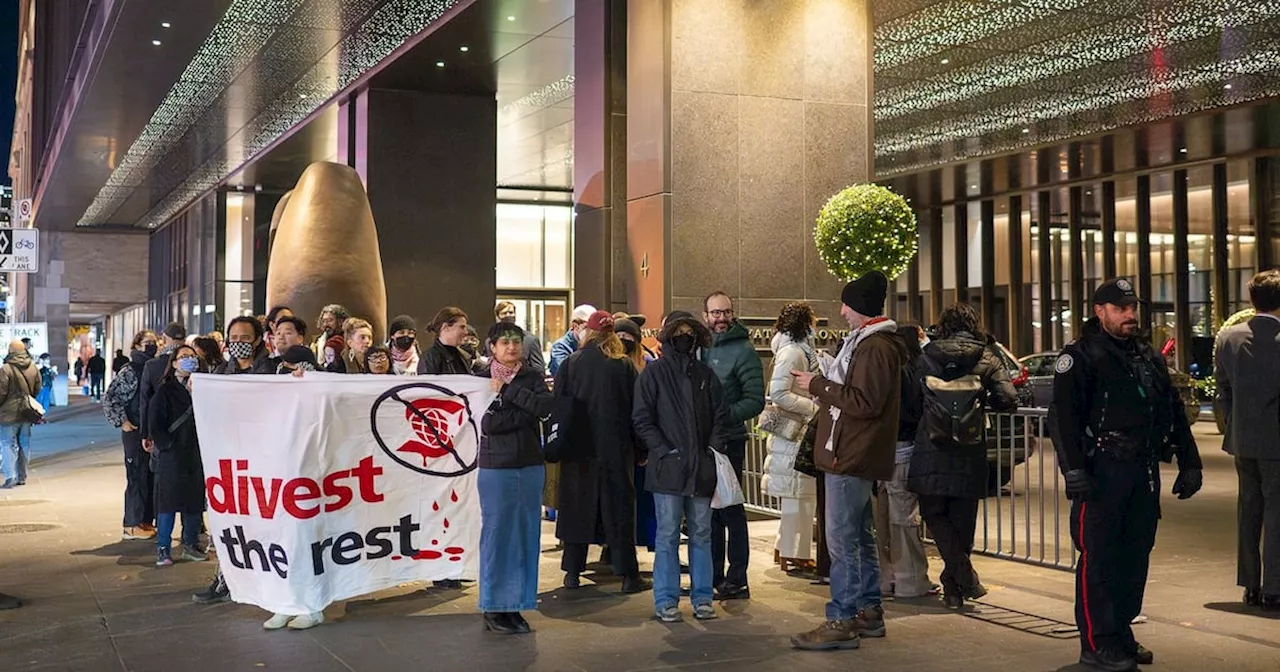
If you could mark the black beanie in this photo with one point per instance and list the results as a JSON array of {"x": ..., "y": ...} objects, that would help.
[
  {"x": 402, "y": 322},
  {"x": 299, "y": 354},
  {"x": 866, "y": 294}
]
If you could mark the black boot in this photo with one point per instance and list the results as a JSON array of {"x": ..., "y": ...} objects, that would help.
[
  {"x": 500, "y": 622},
  {"x": 215, "y": 593},
  {"x": 1142, "y": 655},
  {"x": 1109, "y": 660},
  {"x": 632, "y": 583},
  {"x": 518, "y": 622},
  {"x": 572, "y": 580},
  {"x": 953, "y": 600}
]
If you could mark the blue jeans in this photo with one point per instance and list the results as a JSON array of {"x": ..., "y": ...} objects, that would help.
[
  {"x": 15, "y": 450},
  {"x": 670, "y": 511},
  {"x": 855, "y": 566},
  {"x": 191, "y": 524},
  {"x": 510, "y": 537}
]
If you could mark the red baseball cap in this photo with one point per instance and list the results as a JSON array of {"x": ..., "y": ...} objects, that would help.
[{"x": 600, "y": 321}]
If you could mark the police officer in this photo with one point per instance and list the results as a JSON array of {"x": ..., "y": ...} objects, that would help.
[{"x": 1115, "y": 412}]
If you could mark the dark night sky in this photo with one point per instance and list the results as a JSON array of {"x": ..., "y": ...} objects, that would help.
[{"x": 8, "y": 77}]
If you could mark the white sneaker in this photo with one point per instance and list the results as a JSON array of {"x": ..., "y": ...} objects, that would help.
[
  {"x": 307, "y": 621},
  {"x": 277, "y": 621}
]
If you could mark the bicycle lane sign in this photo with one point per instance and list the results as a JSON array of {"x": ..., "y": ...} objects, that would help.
[{"x": 19, "y": 250}]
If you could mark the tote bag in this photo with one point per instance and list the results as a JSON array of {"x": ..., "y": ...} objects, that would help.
[{"x": 728, "y": 489}]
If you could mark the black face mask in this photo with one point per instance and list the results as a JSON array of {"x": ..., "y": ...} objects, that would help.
[
  {"x": 683, "y": 343},
  {"x": 403, "y": 343},
  {"x": 151, "y": 349},
  {"x": 629, "y": 347}
]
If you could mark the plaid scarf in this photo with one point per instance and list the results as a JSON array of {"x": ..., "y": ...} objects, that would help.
[{"x": 502, "y": 372}]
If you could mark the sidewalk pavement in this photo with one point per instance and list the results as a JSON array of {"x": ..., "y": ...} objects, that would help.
[{"x": 96, "y": 603}]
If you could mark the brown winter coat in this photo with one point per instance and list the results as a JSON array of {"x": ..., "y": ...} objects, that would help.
[
  {"x": 13, "y": 393},
  {"x": 866, "y": 435}
]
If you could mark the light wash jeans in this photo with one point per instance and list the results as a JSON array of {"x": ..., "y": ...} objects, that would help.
[
  {"x": 15, "y": 451},
  {"x": 671, "y": 510},
  {"x": 851, "y": 542}
]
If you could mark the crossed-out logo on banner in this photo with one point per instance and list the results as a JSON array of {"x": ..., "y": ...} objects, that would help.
[{"x": 398, "y": 480}]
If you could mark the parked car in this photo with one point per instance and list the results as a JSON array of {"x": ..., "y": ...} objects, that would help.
[{"x": 1040, "y": 382}]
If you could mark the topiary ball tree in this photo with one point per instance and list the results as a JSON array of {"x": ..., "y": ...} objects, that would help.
[{"x": 865, "y": 228}]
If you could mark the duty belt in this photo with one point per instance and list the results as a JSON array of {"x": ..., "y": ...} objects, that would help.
[{"x": 1125, "y": 446}]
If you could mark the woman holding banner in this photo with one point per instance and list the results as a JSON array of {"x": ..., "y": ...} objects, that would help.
[{"x": 510, "y": 483}]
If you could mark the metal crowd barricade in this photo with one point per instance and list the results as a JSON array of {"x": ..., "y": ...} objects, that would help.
[{"x": 1026, "y": 515}]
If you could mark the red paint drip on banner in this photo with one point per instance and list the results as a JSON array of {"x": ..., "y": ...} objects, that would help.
[
  {"x": 455, "y": 559},
  {"x": 428, "y": 555},
  {"x": 435, "y": 506},
  {"x": 454, "y": 495},
  {"x": 446, "y": 523},
  {"x": 455, "y": 550}
]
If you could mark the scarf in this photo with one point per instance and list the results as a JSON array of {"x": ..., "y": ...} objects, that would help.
[
  {"x": 404, "y": 363},
  {"x": 502, "y": 372}
]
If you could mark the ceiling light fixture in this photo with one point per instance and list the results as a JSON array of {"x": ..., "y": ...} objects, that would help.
[
  {"x": 166, "y": 24},
  {"x": 155, "y": 42},
  {"x": 439, "y": 64},
  {"x": 464, "y": 48},
  {"x": 946, "y": 61},
  {"x": 511, "y": 18},
  {"x": 1026, "y": 130},
  {"x": 1226, "y": 86}
]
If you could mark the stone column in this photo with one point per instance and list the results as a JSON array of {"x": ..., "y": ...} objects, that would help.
[
  {"x": 743, "y": 118},
  {"x": 429, "y": 162}
]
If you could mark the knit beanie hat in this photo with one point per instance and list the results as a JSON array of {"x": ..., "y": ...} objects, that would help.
[
  {"x": 298, "y": 354},
  {"x": 866, "y": 294},
  {"x": 402, "y": 322}
]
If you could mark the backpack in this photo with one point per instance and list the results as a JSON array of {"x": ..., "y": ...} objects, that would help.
[{"x": 955, "y": 411}]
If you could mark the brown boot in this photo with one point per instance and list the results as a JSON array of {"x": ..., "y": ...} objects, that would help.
[
  {"x": 870, "y": 622},
  {"x": 828, "y": 636}
]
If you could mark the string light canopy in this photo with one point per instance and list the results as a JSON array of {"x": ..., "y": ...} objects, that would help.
[{"x": 865, "y": 228}]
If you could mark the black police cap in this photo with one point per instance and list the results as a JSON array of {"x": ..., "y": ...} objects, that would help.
[{"x": 1117, "y": 292}]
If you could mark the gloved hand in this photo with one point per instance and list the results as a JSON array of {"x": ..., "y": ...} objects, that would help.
[
  {"x": 1079, "y": 485},
  {"x": 1188, "y": 483}
]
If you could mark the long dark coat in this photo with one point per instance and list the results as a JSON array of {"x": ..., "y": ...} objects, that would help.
[
  {"x": 598, "y": 492},
  {"x": 179, "y": 474}
]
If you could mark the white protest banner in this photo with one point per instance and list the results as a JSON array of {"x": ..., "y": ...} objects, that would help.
[{"x": 327, "y": 487}]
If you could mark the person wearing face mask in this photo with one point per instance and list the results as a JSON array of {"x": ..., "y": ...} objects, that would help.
[
  {"x": 404, "y": 345},
  {"x": 505, "y": 311},
  {"x": 179, "y": 473},
  {"x": 358, "y": 335},
  {"x": 597, "y": 488},
  {"x": 646, "y": 519},
  {"x": 572, "y": 339},
  {"x": 246, "y": 349},
  {"x": 122, "y": 409},
  {"x": 173, "y": 336},
  {"x": 445, "y": 356},
  {"x": 680, "y": 416}
]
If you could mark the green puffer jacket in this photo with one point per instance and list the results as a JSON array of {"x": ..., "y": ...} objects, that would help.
[{"x": 741, "y": 375}]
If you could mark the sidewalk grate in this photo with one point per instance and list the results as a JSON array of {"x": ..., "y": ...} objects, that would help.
[
  {"x": 1022, "y": 621},
  {"x": 21, "y": 528}
]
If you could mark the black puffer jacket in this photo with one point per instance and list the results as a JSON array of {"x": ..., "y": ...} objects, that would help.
[
  {"x": 512, "y": 430},
  {"x": 441, "y": 359},
  {"x": 957, "y": 472},
  {"x": 680, "y": 417}
]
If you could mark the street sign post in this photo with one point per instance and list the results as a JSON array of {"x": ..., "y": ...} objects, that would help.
[{"x": 19, "y": 250}]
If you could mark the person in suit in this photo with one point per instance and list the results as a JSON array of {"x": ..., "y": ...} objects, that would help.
[{"x": 1247, "y": 362}]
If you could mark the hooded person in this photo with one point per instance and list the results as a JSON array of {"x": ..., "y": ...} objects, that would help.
[
  {"x": 858, "y": 398},
  {"x": 19, "y": 385},
  {"x": 404, "y": 345},
  {"x": 122, "y": 408},
  {"x": 680, "y": 417}
]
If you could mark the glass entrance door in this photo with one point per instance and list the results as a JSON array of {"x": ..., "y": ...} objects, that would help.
[{"x": 543, "y": 314}]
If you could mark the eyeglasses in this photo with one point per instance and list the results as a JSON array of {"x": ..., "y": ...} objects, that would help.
[{"x": 727, "y": 312}]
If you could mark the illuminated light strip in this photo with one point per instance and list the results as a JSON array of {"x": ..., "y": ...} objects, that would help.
[
  {"x": 380, "y": 35},
  {"x": 235, "y": 41},
  {"x": 1057, "y": 107},
  {"x": 941, "y": 27},
  {"x": 1121, "y": 39},
  {"x": 552, "y": 94}
]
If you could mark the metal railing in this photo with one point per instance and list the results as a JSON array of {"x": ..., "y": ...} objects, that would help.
[{"x": 1025, "y": 517}]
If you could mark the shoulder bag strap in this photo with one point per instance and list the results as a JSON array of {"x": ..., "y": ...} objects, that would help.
[{"x": 26, "y": 387}]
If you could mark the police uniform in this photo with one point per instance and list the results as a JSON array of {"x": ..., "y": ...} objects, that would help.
[{"x": 1115, "y": 413}]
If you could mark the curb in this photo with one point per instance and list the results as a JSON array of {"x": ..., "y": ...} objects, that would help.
[{"x": 72, "y": 412}]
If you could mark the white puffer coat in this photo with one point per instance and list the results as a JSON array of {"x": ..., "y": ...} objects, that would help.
[{"x": 780, "y": 478}]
